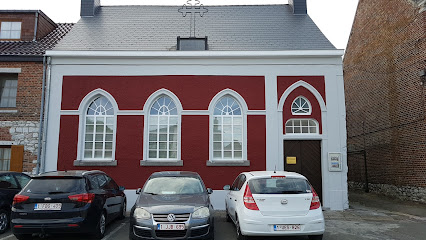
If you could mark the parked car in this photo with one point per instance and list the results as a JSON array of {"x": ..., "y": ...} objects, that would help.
[
  {"x": 172, "y": 205},
  {"x": 67, "y": 202},
  {"x": 10, "y": 184},
  {"x": 274, "y": 203}
]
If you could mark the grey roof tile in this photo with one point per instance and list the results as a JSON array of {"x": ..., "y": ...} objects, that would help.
[{"x": 233, "y": 28}]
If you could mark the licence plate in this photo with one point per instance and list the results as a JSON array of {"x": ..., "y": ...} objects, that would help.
[
  {"x": 48, "y": 206},
  {"x": 287, "y": 227},
  {"x": 170, "y": 226}
]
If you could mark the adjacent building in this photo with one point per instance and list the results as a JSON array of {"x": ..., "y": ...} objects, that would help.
[
  {"x": 384, "y": 72},
  {"x": 139, "y": 89},
  {"x": 25, "y": 35}
]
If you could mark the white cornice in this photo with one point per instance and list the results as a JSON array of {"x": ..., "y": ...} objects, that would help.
[{"x": 197, "y": 54}]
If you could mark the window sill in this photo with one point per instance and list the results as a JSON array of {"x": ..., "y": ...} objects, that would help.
[
  {"x": 96, "y": 163},
  {"x": 161, "y": 163},
  {"x": 225, "y": 163},
  {"x": 8, "y": 111}
]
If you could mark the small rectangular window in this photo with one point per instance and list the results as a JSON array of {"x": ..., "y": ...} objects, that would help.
[
  {"x": 5, "y": 154},
  {"x": 10, "y": 30},
  {"x": 8, "y": 90}
]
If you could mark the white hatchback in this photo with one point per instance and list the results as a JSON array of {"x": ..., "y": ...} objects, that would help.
[{"x": 274, "y": 203}]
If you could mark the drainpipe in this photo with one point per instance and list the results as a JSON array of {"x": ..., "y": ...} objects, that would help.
[
  {"x": 35, "y": 26},
  {"x": 45, "y": 116},
  {"x": 40, "y": 130}
]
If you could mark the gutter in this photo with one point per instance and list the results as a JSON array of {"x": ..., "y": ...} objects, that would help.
[
  {"x": 196, "y": 54},
  {"x": 42, "y": 166},
  {"x": 35, "y": 27},
  {"x": 40, "y": 131}
]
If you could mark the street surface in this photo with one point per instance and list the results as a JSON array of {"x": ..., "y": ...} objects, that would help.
[{"x": 370, "y": 217}]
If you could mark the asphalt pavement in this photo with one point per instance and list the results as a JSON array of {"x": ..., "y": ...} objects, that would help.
[{"x": 370, "y": 216}]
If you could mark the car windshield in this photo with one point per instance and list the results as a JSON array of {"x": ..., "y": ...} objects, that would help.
[
  {"x": 54, "y": 185},
  {"x": 279, "y": 186},
  {"x": 173, "y": 185}
]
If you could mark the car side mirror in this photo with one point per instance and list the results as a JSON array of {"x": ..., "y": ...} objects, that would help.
[
  {"x": 138, "y": 191},
  {"x": 121, "y": 188},
  {"x": 209, "y": 191},
  {"x": 226, "y": 187}
]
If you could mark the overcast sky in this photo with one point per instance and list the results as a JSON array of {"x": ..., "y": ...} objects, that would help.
[{"x": 333, "y": 17}]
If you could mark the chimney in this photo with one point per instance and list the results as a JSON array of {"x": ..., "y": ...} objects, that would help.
[
  {"x": 299, "y": 6},
  {"x": 89, "y": 7}
]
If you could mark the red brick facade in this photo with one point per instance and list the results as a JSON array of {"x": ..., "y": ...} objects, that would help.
[
  {"x": 44, "y": 24},
  {"x": 385, "y": 98},
  {"x": 28, "y": 102}
]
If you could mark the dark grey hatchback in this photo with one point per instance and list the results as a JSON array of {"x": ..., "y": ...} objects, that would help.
[
  {"x": 172, "y": 205},
  {"x": 67, "y": 202}
]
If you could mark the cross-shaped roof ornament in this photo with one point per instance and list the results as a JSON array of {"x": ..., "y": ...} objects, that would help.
[{"x": 192, "y": 7}]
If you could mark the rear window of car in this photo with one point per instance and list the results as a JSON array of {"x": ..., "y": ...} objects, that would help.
[
  {"x": 173, "y": 185},
  {"x": 55, "y": 185},
  {"x": 279, "y": 186}
]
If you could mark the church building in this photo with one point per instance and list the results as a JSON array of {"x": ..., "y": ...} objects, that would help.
[{"x": 218, "y": 90}]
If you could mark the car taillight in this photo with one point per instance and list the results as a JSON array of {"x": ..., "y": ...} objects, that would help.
[
  {"x": 315, "y": 203},
  {"x": 19, "y": 198},
  {"x": 249, "y": 201},
  {"x": 84, "y": 197}
]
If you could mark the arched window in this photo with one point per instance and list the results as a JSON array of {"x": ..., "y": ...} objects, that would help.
[
  {"x": 301, "y": 126},
  {"x": 99, "y": 130},
  {"x": 228, "y": 129},
  {"x": 301, "y": 106},
  {"x": 163, "y": 125}
]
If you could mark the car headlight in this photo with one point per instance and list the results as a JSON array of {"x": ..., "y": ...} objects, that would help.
[
  {"x": 202, "y": 212},
  {"x": 141, "y": 213}
]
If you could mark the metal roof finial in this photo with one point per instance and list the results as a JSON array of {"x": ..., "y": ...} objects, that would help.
[{"x": 192, "y": 7}]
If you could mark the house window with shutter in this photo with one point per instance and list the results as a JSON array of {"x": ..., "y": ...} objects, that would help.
[
  {"x": 11, "y": 158},
  {"x": 5, "y": 158}
]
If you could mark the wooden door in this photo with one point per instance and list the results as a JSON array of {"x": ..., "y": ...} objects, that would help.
[{"x": 308, "y": 161}]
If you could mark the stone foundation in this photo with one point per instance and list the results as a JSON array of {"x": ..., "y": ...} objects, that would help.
[{"x": 410, "y": 193}]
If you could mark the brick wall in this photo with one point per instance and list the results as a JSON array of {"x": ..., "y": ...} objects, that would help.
[
  {"x": 22, "y": 127},
  {"x": 385, "y": 99}
]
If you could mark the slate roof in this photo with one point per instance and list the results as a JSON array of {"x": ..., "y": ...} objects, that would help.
[
  {"x": 228, "y": 28},
  {"x": 35, "y": 48}
]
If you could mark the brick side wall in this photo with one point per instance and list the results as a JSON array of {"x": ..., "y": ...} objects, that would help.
[
  {"x": 22, "y": 127},
  {"x": 385, "y": 99},
  {"x": 27, "y": 27}
]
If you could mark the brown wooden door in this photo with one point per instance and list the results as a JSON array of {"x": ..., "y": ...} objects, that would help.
[{"x": 308, "y": 161}]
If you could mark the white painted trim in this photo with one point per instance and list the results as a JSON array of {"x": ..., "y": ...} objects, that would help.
[
  {"x": 84, "y": 104},
  {"x": 244, "y": 110},
  {"x": 198, "y": 54},
  {"x": 70, "y": 112},
  {"x": 142, "y": 112},
  {"x": 10, "y": 70},
  {"x": 130, "y": 113},
  {"x": 306, "y": 85},
  {"x": 195, "y": 112},
  {"x": 151, "y": 99},
  {"x": 256, "y": 112}
]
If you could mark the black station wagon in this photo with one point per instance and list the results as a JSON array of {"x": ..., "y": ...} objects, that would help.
[{"x": 67, "y": 202}]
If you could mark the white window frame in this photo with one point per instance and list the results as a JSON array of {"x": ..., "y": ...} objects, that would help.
[
  {"x": 307, "y": 101},
  {"x": 147, "y": 107},
  {"x": 87, "y": 100},
  {"x": 2, "y": 31},
  {"x": 244, "y": 110},
  {"x": 301, "y": 119}
]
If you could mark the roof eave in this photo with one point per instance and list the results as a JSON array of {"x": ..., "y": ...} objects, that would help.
[{"x": 197, "y": 54}]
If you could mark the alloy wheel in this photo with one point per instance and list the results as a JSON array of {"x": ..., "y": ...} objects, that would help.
[{"x": 4, "y": 221}]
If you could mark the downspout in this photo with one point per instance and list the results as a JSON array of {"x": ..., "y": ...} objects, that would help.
[
  {"x": 40, "y": 130},
  {"x": 46, "y": 116},
  {"x": 35, "y": 27}
]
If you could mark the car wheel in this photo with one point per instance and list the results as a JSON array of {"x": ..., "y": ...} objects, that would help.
[
  {"x": 4, "y": 221},
  {"x": 123, "y": 211},
  {"x": 100, "y": 228},
  {"x": 315, "y": 237},
  {"x": 23, "y": 236},
  {"x": 240, "y": 236}
]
